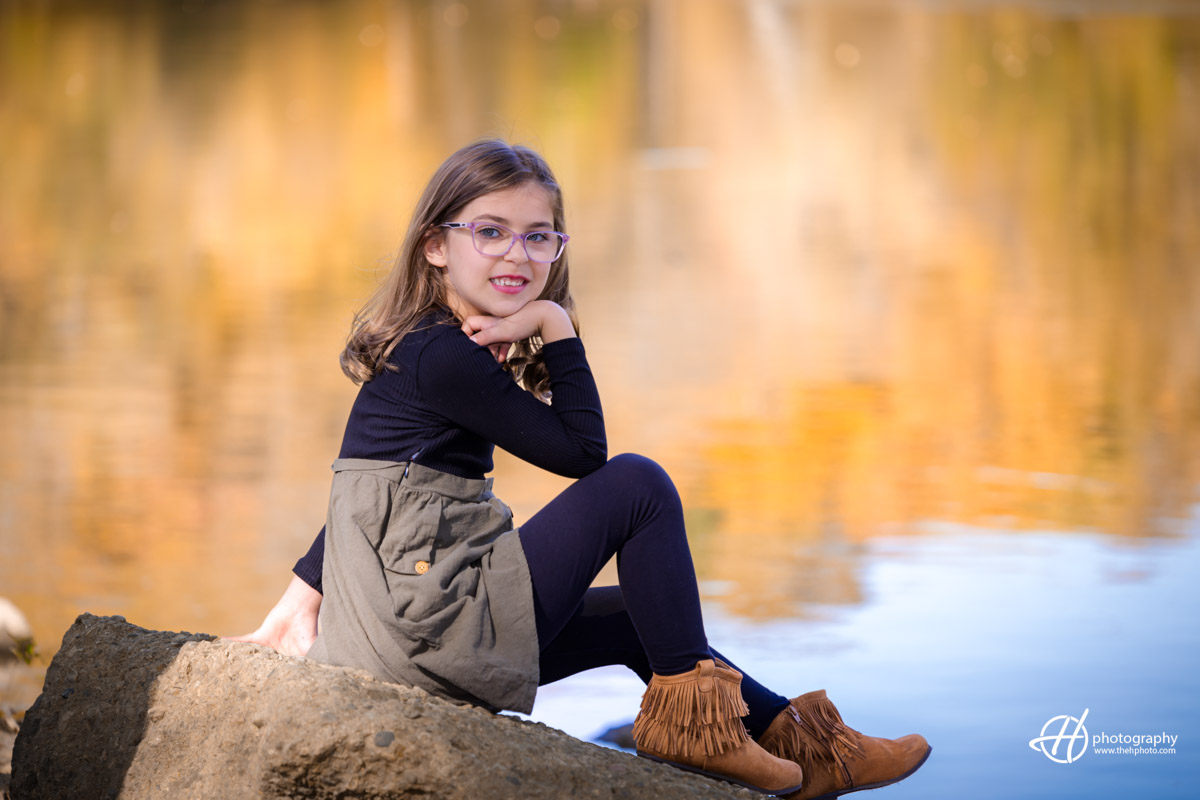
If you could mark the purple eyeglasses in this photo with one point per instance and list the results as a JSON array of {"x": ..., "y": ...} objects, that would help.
[{"x": 495, "y": 240}]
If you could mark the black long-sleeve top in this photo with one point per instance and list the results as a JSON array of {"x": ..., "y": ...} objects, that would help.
[{"x": 449, "y": 404}]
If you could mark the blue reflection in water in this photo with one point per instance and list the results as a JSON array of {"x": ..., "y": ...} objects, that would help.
[{"x": 976, "y": 639}]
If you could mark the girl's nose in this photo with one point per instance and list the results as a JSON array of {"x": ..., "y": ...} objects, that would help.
[{"x": 516, "y": 254}]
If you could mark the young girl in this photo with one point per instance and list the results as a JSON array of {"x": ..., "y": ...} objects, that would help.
[{"x": 419, "y": 576}]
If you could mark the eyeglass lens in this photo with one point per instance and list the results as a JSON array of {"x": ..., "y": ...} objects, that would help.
[{"x": 495, "y": 240}]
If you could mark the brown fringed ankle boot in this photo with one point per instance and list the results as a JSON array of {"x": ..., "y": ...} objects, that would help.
[
  {"x": 694, "y": 721},
  {"x": 838, "y": 759}
]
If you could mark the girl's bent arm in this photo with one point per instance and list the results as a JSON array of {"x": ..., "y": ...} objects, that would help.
[{"x": 463, "y": 381}]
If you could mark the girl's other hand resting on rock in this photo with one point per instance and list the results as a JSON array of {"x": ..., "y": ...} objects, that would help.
[{"x": 291, "y": 626}]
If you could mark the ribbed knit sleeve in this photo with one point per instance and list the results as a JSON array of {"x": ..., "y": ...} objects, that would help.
[
  {"x": 311, "y": 566},
  {"x": 465, "y": 384}
]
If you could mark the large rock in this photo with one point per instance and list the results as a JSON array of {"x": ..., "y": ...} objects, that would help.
[{"x": 132, "y": 713}]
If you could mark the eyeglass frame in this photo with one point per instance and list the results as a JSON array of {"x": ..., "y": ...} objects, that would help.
[{"x": 515, "y": 236}]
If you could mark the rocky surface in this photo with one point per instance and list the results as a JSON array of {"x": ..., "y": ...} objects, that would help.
[{"x": 131, "y": 713}]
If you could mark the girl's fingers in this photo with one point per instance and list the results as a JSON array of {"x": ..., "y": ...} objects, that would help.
[
  {"x": 505, "y": 331},
  {"x": 499, "y": 351},
  {"x": 499, "y": 333},
  {"x": 474, "y": 324}
]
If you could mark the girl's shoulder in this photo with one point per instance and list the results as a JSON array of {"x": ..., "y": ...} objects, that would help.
[
  {"x": 431, "y": 327},
  {"x": 442, "y": 359},
  {"x": 435, "y": 345}
]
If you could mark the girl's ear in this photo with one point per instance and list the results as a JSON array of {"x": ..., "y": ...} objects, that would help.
[{"x": 435, "y": 248}]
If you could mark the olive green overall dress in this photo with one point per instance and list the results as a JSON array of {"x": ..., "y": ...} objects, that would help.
[{"x": 426, "y": 584}]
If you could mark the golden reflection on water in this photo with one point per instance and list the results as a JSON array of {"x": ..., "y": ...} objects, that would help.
[{"x": 845, "y": 272}]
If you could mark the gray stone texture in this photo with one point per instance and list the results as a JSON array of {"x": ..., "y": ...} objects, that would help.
[{"x": 131, "y": 713}]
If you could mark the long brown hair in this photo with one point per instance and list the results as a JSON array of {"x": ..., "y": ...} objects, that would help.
[{"x": 414, "y": 288}]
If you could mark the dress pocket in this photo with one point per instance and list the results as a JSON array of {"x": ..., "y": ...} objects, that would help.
[
  {"x": 408, "y": 551},
  {"x": 409, "y": 544}
]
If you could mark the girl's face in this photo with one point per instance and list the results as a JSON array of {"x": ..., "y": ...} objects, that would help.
[{"x": 493, "y": 285}]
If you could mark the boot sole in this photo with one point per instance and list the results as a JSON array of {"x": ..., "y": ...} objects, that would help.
[
  {"x": 880, "y": 784},
  {"x": 718, "y": 776}
]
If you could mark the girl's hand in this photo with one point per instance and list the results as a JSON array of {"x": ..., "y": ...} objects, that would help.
[
  {"x": 291, "y": 626},
  {"x": 542, "y": 318},
  {"x": 472, "y": 326}
]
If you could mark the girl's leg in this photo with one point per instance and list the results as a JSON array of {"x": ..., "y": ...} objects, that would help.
[
  {"x": 628, "y": 507},
  {"x": 600, "y": 634},
  {"x": 690, "y": 714}
]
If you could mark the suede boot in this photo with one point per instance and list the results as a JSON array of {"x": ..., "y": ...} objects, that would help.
[
  {"x": 693, "y": 721},
  {"x": 838, "y": 759}
]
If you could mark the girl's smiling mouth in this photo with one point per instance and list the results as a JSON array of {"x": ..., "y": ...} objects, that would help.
[{"x": 509, "y": 284}]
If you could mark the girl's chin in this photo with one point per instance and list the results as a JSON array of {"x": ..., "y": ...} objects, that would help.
[
  {"x": 506, "y": 307},
  {"x": 496, "y": 305}
]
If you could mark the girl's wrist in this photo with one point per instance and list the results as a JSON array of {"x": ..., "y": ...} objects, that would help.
[{"x": 299, "y": 596}]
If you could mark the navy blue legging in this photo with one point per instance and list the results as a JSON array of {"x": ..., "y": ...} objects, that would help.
[{"x": 652, "y": 621}]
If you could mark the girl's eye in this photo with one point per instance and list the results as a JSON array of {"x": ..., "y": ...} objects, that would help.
[
  {"x": 489, "y": 232},
  {"x": 537, "y": 237}
]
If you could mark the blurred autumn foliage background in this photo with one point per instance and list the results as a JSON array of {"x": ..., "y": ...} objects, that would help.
[{"x": 847, "y": 270}]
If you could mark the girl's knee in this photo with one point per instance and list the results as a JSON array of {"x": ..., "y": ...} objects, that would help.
[{"x": 640, "y": 474}]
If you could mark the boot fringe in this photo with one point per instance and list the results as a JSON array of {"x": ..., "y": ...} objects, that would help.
[
  {"x": 788, "y": 743},
  {"x": 684, "y": 704},
  {"x": 712, "y": 739},
  {"x": 821, "y": 717},
  {"x": 677, "y": 717}
]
